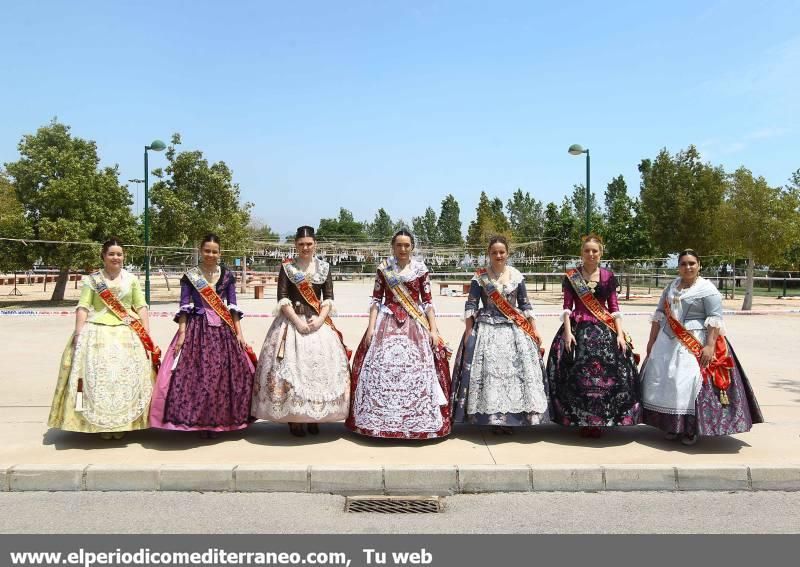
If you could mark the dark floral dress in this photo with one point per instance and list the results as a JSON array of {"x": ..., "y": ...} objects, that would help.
[{"x": 597, "y": 384}]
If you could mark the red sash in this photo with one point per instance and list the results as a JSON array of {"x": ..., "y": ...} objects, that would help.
[
  {"x": 298, "y": 278},
  {"x": 719, "y": 369},
  {"x": 504, "y": 306},
  {"x": 115, "y": 306},
  {"x": 595, "y": 307},
  {"x": 214, "y": 301}
]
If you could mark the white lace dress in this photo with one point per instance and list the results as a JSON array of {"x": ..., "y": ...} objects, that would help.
[
  {"x": 302, "y": 378},
  {"x": 400, "y": 384},
  {"x": 498, "y": 376}
]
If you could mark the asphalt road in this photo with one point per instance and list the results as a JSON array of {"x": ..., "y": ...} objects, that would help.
[{"x": 596, "y": 513}]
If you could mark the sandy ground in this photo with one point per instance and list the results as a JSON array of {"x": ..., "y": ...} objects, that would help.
[{"x": 32, "y": 347}]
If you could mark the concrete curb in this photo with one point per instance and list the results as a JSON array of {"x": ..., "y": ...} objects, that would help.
[{"x": 394, "y": 479}]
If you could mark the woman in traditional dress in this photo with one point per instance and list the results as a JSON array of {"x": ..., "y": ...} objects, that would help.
[
  {"x": 401, "y": 375},
  {"x": 692, "y": 382},
  {"x": 591, "y": 371},
  {"x": 206, "y": 381},
  {"x": 107, "y": 369},
  {"x": 303, "y": 375},
  {"x": 498, "y": 378}
]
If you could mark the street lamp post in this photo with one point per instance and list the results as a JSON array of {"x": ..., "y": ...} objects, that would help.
[
  {"x": 576, "y": 150},
  {"x": 156, "y": 146}
]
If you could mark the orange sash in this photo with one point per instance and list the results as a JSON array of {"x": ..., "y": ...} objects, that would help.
[
  {"x": 595, "y": 307},
  {"x": 719, "y": 369},
  {"x": 115, "y": 306},
  {"x": 298, "y": 278},
  {"x": 408, "y": 303},
  {"x": 206, "y": 291},
  {"x": 504, "y": 306}
]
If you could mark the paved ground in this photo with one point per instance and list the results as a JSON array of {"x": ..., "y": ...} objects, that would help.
[
  {"x": 33, "y": 345},
  {"x": 602, "y": 513}
]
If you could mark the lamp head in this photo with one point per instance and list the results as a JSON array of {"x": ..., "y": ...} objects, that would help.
[
  {"x": 157, "y": 146},
  {"x": 576, "y": 150}
]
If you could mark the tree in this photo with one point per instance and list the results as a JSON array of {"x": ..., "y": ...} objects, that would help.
[
  {"x": 791, "y": 257},
  {"x": 425, "y": 227},
  {"x": 681, "y": 198},
  {"x": 13, "y": 224},
  {"x": 382, "y": 228},
  {"x": 193, "y": 198},
  {"x": 596, "y": 220},
  {"x": 68, "y": 197},
  {"x": 345, "y": 227},
  {"x": 489, "y": 220},
  {"x": 759, "y": 222},
  {"x": 449, "y": 223},
  {"x": 526, "y": 216},
  {"x": 559, "y": 224},
  {"x": 625, "y": 231}
]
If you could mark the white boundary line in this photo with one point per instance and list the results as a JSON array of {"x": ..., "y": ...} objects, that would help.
[{"x": 170, "y": 314}]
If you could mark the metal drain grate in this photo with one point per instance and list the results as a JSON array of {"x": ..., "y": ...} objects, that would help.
[{"x": 394, "y": 504}]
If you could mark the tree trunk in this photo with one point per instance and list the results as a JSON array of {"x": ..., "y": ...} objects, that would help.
[
  {"x": 627, "y": 287},
  {"x": 747, "y": 304},
  {"x": 61, "y": 285}
]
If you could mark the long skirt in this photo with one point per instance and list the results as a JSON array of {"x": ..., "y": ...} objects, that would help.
[
  {"x": 401, "y": 386},
  {"x": 211, "y": 386},
  {"x": 710, "y": 417},
  {"x": 310, "y": 383},
  {"x": 599, "y": 385},
  {"x": 117, "y": 382},
  {"x": 498, "y": 378}
]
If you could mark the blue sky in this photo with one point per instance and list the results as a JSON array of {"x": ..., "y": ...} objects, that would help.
[{"x": 368, "y": 104}]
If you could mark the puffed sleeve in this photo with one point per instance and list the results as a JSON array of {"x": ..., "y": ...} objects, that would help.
[
  {"x": 137, "y": 296},
  {"x": 523, "y": 302},
  {"x": 659, "y": 314},
  {"x": 230, "y": 296},
  {"x": 87, "y": 295},
  {"x": 378, "y": 291},
  {"x": 427, "y": 297},
  {"x": 569, "y": 299},
  {"x": 613, "y": 299},
  {"x": 327, "y": 294},
  {"x": 283, "y": 288},
  {"x": 471, "y": 306},
  {"x": 713, "y": 307},
  {"x": 186, "y": 299}
]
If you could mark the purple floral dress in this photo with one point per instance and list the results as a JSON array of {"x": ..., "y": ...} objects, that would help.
[{"x": 212, "y": 383}]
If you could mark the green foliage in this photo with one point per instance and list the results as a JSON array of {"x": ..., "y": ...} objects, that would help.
[
  {"x": 67, "y": 196},
  {"x": 625, "y": 233},
  {"x": 578, "y": 203},
  {"x": 490, "y": 220},
  {"x": 382, "y": 228},
  {"x": 193, "y": 198},
  {"x": 526, "y": 216},
  {"x": 13, "y": 224},
  {"x": 681, "y": 198},
  {"x": 345, "y": 227},
  {"x": 425, "y": 228},
  {"x": 449, "y": 223},
  {"x": 559, "y": 225}
]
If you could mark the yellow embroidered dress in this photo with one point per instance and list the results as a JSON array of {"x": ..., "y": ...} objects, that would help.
[{"x": 117, "y": 377}]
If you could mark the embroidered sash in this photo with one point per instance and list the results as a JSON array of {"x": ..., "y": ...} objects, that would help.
[
  {"x": 594, "y": 306},
  {"x": 213, "y": 300},
  {"x": 298, "y": 278},
  {"x": 719, "y": 369},
  {"x": 504, "y": 306},
  {"x": 114, "y": 305},
  {"x": 408, "y": 303}
]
